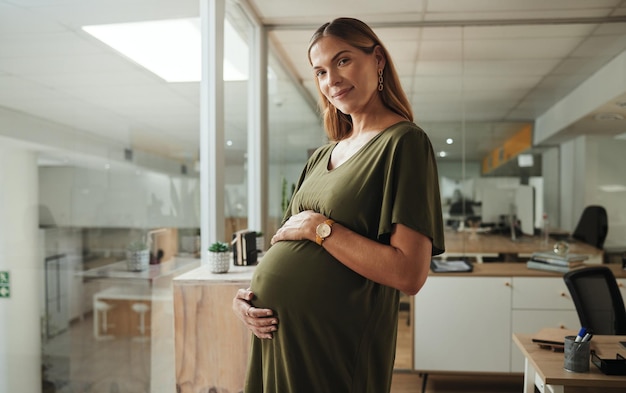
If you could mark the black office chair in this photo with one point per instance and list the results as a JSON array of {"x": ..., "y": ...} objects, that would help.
[
  {"x": 462, "y": 207},
  {"x": 593, "y": 226},
  {"x": 597, "y": 298}
]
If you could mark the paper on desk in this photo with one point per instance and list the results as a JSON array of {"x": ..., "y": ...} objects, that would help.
[{"x": 552, "y": 338}]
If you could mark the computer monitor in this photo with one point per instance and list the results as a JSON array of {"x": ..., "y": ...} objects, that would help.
[
  {"x": 496, "y": 204},
  {"x": 499, "y": 203}
]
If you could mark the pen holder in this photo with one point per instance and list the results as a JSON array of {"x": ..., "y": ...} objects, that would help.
[{"x": 576, "y": 355}]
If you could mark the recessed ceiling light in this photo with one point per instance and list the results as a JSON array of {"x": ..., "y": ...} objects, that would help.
[
  {"x": 229, "y": 143},
  {"x": 442, "y": 154},
  {"x": 449, "y": 141},
  {"x": 608, "y": 116},
  {"x": 172, "y": 48}
]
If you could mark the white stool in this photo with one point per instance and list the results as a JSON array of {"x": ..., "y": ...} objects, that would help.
[
  {"x": 103, "y": 308},
  {"x": 141, "y": 309}
]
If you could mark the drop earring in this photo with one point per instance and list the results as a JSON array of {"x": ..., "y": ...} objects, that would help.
[{"x": 380, "y": 79}]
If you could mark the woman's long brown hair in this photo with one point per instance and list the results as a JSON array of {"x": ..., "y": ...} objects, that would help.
[{"x": 338, "y": 125}]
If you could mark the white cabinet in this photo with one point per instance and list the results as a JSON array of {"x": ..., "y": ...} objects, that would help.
[
  {"x": 463, "y": 324},
  {"x": 87, "y": 197},
  {"x": 466, "y": 323},
  {"x": 55, "y": 199},
  {"x": 539, "y": 302}
]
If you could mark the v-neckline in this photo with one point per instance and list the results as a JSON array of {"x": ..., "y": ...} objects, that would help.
[{"x": 356, "y": 153}]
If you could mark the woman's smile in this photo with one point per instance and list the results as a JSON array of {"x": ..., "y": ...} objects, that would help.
[{"x": 341, "y": 93}]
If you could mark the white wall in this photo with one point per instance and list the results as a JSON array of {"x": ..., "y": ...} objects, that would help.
[
  {"x": 605, "y": 174},
  {"x": 20, "y": 335},
  {"x": 567, "y": 187},
  {"x": 454, "y": 169},
  {"x": 88, "y": 197},
  {"x": 588, "y": 165},
  {"x": 550, "y": 169}
]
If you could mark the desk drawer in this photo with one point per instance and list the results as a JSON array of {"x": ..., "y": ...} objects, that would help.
[{"x": 541, "y": 293}]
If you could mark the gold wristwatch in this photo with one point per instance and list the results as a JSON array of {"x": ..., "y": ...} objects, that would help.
[{"x": 323, "y": 230}]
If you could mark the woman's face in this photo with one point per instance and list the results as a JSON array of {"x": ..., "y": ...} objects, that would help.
[{"x": 347, "y": 76}]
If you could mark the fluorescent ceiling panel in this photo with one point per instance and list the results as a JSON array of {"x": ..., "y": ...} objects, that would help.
[
  {"x": 171, "y": 48},
  {"x": 612, "y": 188}
]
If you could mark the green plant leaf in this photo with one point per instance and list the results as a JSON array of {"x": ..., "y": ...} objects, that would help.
[{"x": 219, "y": 247}]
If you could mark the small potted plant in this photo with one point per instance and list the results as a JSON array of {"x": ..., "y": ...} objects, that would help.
[
  {"x": 137, "y": 256},
  {"x": 219, "y": 257}
]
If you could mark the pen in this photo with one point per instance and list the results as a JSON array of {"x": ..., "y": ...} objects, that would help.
[
  {"x": 587, "y": 337},
  {"x": 581, "y": 334}
]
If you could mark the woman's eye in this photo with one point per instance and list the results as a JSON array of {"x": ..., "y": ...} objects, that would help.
[
  {"x": 319, "y": 73},
  {"x": 342, "y": 61}
]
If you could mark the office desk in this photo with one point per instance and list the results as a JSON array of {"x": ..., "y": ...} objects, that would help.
[
  {"x": 544, "y": 368},
  {"x": 481, "y": 245}
]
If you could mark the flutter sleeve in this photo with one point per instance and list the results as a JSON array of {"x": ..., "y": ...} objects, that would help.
[{"x": 411, "y": 189}]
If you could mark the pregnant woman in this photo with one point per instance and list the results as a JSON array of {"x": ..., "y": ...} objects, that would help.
[{"x": 363, "y": 223}]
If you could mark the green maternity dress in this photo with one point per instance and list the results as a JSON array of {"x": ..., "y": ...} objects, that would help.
[{"x": 337, "y": 329}]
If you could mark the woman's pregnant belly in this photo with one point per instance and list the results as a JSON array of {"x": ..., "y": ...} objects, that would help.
[{"x": 301, "y": 277}]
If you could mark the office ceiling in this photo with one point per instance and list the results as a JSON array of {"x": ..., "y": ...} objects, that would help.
[{"x": 474, "y": 71}]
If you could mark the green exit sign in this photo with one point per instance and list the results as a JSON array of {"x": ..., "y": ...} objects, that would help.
[{"x": 5, "y": 287}]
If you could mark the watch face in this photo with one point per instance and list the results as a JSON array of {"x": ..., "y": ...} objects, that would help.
[{"x": 323, "y": 230}]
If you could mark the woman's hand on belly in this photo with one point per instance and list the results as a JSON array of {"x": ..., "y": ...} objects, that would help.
[
  {"x": 260, "y": 321},
  {"x": 300, "y": 226}
]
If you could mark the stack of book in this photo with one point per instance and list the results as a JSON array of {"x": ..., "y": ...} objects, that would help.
[
  {"x": 448, "y": 266},
  {"x": 244, "y": 248},
  {"x": 555, "y": 262}
]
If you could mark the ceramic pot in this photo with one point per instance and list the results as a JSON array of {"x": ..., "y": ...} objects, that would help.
[
  {"x": 219, "y": 262},
  {"x": 137, "y": 261}
]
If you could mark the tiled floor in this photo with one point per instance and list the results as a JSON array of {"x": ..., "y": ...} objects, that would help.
[
  {"x": 412, "y": 383},
  {"x": 82, "y": 364}
]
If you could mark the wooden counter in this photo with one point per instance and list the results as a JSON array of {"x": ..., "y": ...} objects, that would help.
[
  {"x": 518, "y": 269},
  {"x": 211, "y": 344},
  {"x": 481, "y": 245}
]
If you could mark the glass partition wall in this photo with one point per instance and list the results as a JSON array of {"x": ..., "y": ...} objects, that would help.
[
  {"x": 107, "y": 326},
  {"x": 236, "y": 90}
]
